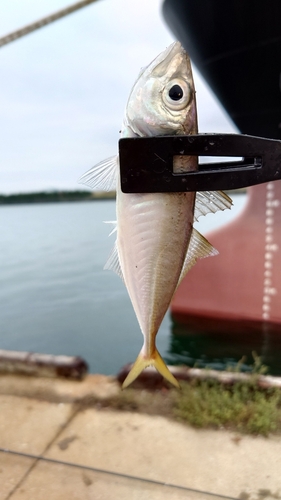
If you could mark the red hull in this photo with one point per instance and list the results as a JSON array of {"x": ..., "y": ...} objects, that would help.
[{"x": 243, "y": 282}]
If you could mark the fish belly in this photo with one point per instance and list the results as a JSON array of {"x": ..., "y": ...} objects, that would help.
[{"x": 152, "y": 240}]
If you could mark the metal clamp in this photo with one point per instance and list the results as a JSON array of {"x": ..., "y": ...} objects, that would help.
[{"x": 146, "y": 163}]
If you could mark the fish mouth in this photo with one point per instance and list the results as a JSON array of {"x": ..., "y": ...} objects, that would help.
[
  {"x": 173, "y": 49},
  {"x": 163, "y": 60}
]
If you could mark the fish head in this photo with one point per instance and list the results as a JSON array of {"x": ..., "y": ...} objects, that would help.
[{"x": 162, "y": 100}]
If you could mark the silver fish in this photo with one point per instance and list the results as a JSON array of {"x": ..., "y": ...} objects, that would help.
[{"x": 156, "y": 243}]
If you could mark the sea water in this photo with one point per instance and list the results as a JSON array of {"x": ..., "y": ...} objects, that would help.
[{"x": 55, "y": 296}]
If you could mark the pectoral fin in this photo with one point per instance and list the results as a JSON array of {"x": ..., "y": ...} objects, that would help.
[{"x": 102, "y": 177}]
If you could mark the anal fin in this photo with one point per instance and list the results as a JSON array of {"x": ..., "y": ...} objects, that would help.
[{"x": 113, "y": 262}]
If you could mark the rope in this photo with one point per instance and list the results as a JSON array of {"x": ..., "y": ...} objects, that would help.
[{"x": 11, "y": 37}]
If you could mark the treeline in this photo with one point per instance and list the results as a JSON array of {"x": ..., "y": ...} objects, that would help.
[{"x": 54, "y": 196}]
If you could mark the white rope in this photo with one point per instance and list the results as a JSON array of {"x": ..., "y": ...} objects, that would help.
[{"x": 43, "y": 22}]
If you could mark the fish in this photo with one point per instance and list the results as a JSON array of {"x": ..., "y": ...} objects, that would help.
[{"x": 156, "y": 243}]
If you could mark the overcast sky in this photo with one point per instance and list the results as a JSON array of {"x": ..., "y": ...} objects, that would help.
[{"x": 63, "y": 88}]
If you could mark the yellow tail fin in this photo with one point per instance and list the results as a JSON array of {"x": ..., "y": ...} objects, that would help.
[{"x": 142, "y": 362}]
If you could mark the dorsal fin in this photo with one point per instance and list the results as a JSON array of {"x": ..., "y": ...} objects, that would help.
[
  {"x": 198, "y": 248},
  {"x": 210, "y": 202}
]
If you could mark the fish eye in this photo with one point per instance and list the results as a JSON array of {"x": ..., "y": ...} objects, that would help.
[{"x": 176, "y": 95}]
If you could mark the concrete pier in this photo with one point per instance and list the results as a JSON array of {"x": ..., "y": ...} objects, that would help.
[{"x": 54, "y": 446}]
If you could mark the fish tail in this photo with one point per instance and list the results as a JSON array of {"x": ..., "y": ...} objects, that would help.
[{"x": 143, "y": 362}]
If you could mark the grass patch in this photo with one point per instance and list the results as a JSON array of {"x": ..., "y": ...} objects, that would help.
[{"x": 242, "y": 406}]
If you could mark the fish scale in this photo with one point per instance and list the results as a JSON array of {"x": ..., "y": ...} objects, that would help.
[{"x": 146, "y": 248}]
